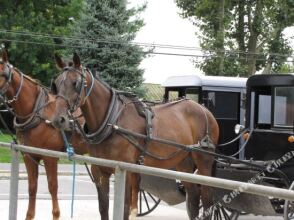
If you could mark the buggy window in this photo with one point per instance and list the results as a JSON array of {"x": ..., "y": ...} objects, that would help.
[
  {"x": 223, "y": 105},
  {"x": 264, "y": 109},
  {"x": 284, "y": 106},
  {"x": 193, "y": 94}
]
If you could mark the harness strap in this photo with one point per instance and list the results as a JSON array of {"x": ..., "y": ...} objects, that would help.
[
  {"x": 148, "y": 117},
  {"x": 134, "y": 142}
]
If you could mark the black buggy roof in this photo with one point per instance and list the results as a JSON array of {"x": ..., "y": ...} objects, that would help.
[{"x": 270, "y": 80}]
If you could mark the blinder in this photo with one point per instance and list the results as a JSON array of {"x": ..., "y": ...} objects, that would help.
[
  {"x": 53, "y": 87},
  {"x": 79, "y": 85},
  {"x": 7, "y": 71},
  {"x": 7, "y": 74}
]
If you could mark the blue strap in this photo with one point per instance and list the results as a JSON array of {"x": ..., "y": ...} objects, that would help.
[
  {"x": 69, "y": 148},
  {"x": 70, "y": 153}
]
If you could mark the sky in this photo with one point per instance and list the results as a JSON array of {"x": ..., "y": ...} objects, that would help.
[{"x": 163, "y": 25}]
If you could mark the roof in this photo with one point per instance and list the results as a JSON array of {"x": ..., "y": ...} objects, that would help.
[
  {"x": 201, "y": 80},
  {"x": 271, "y": 80}
]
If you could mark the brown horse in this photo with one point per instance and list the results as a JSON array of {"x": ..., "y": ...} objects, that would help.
[
  {"x": 184, "y": 122},
  {"x": 32, "y": 105}
]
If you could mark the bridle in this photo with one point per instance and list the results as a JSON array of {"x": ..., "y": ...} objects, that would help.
[
  {"x": 7, "y": 74},
  {"x": 80, "y": 86}
]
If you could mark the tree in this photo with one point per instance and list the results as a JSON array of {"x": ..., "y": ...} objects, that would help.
[
  {"x": 240, "y": 37},
  {"x": 104, "y": 35},
  {"x": 25, "y": 27}
]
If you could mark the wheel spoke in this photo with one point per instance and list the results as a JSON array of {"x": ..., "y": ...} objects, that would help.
[
  {"x": 218, "y": 214},
  {"x": 152, "y": 197},
  {"x": 146, "y": 201},
  {"x": 140, "y": 201}
]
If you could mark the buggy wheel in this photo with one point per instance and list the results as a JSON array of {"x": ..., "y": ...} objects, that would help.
[
  {"x": 222, "y": 213},
  {"x": 146, "y": 203},
  {"x": 289, "y": 207}
]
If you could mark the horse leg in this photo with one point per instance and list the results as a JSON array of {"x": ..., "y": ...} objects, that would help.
[
  {"x": 205, "y": 165},
  {"x": 51, "y": 171},
  {"x": 192, "y": 190},
  {"x": 33, "y": 172},
  {"x": 135, "y": 188},
  {"x": 101, "y": 180}
]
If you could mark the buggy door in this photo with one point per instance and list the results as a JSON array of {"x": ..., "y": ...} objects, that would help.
[{"x": 225, "y": 106}]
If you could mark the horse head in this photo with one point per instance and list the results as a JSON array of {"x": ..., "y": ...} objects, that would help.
[{"x": 71, "y": 91}]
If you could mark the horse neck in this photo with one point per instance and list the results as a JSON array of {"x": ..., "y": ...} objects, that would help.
[
  {"x": 26, "y": 99},
  {"x": 96, "y": 105}
]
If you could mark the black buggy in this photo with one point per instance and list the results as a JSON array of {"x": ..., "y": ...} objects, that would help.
[{"x": 264, "y": 152}]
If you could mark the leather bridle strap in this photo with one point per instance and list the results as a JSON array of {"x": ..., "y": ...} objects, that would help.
[
  {"x": 83, "y": 85},
  {"x": 8, "y": 76},
  {"x": 18, "y": 90}
]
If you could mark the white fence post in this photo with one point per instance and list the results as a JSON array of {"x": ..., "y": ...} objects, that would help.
[
  {"x": 13, "y": 196},
  {"x": 119, "y": 194}
]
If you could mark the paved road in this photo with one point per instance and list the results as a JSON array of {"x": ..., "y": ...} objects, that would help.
[{"x": 86, "y": 205}]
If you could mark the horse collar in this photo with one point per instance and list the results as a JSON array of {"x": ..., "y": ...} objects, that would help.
[
  {"x": 105, "y": 130},
  {"x": 34, "y": 118}
]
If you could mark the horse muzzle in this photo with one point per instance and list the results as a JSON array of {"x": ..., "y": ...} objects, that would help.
[{"x": 62, "y": 122}]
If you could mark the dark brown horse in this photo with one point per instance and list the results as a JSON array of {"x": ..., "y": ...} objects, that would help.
[
  {"x": 32, "y": 105},
  {"x": 184, "y": 122}
]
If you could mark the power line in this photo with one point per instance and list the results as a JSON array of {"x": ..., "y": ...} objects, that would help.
[
  {"x": 94, "y": 48},
  {"x": 151, "y": 45},
  {"x": 31, "y": 34},
  {"x": 150, "y": 52}
]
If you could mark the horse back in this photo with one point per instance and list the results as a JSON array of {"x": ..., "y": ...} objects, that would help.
[{"x": 184, "y": 118}]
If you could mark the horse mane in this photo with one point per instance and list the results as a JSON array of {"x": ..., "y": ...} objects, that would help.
[{"x": 35, "y": 81}]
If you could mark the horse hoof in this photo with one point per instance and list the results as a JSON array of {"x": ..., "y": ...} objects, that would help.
[{"x": 133, "y": 215}]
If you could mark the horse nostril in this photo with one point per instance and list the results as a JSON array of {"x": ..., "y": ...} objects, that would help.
[{"x": 62, "y": 120}]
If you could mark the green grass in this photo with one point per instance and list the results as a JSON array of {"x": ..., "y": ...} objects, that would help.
[{"x": 5, "y": 154}]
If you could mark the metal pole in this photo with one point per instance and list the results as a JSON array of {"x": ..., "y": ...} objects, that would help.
[
  {"x": 13, "y": 196},
  {"x": 119, "y": 194},
  {"x": 170, "y": 174}
]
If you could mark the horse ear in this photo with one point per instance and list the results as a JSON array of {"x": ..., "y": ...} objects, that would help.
[
  {"x": 4, "y": 56},
  {"x": 76, "y": 60},
  {"x": 59, "y": 62}
]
